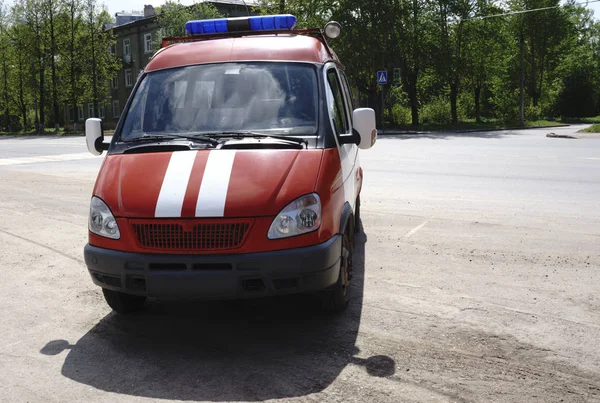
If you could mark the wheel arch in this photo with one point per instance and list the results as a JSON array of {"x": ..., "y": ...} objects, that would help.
[{"x": 346, "y": 218}]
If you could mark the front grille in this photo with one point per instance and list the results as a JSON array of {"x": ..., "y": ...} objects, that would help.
[{"x": 190, "y": 236}]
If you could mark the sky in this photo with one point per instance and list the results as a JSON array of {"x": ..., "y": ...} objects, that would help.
[
  {"x": 138, "y": 5},
  {"x": 133, "y": 5}
]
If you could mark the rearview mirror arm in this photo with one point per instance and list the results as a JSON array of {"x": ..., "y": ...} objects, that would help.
[
  {"x": 353, "y": 138},
  {"x": 101, "y": 145}
]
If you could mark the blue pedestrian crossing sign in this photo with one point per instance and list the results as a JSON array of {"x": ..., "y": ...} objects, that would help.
[{"x": 382, "y": 77}]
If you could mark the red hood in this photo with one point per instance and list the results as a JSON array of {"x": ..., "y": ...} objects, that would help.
[{"x": 243, "y": 183}]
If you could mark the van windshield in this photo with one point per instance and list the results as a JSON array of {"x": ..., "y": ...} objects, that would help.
[{"x": 271, "y": 98}]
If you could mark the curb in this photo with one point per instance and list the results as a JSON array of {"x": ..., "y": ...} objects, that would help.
[
  {"x": 513, "y": 128},
  {"x": 47, "y": 135},
  {"x": 396, "y": 133},
  {"x": 399, "y": 133}
]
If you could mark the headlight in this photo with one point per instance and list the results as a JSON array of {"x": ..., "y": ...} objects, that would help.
[
  {"x": 102, "y": 222},
  {"x": 299, "y": 217}
]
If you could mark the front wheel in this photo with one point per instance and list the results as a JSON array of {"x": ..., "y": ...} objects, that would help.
[
  {"x": 336, "y": 299},
  {"x": 123, "y": 303}
]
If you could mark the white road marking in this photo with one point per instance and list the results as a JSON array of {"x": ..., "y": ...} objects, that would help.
[
  {"x": 45, "y": 158},
  {"x": 417, "y": 228},
  {"x": 175, "y": 182},
  {"x": 215, "y": 183}
]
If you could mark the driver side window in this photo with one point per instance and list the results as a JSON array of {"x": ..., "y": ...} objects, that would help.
[{"x": 338, "y": 109}]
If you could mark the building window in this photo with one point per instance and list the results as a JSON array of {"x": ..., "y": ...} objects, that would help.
[
  {"x": 126, "y": 47},
  {"x": 148, "y": 43},
  {"x": 116, "y": 108},
  {"x": 114, "y": 83},
  {"x": 101, "y": 111},
  {"x": 80, "y": 115},
  {"x": 112, "y": 49},
  {"x": 397, "y": 75},
  {"x": 128, "y": 78},
  {"x": 90, "y": 110}
]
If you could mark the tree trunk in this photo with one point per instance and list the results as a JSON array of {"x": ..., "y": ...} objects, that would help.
[
  {"x": 55, "y": 118},
  {"x": 453, "y": 96},
  {"x": 477, "y": 103},
  {"x": 539, "y": 91},
  {"x": 94, "y": 73},
  {"x": 42, "y": 121},
  {"x": 72, "y": 68},
  {"x": 6, "y": 110},
  {"x": 35, "y": 85},
  {"x": 412, "y": 95},
  {"x": 281, "y": 6},
  {"x": 390, "y": 109},
  {"x": 374, "y": 101},
  {"x": 533, "y": 78},
  {"x": 414, "y": 72},
  {"x": 22, "y": 97}
]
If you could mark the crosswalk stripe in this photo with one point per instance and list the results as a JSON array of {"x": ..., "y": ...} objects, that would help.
[{"x": 45, "y": 158}]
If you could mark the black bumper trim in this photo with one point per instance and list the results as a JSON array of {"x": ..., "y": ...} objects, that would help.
[{"x": 170, "y": 276}]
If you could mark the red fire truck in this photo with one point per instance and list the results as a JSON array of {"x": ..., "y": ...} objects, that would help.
[{"x": 234, "y": 170}]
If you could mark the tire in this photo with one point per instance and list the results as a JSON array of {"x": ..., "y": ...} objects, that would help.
[
  {"x": 123, "y": 303},
  {"x": 357, "y": 216},
  {"x": 336, "y": 298}
]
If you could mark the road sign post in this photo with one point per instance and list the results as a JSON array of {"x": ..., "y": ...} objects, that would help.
[{"x": 382, "y": 80}]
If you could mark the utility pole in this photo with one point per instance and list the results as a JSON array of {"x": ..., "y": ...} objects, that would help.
[{"x": 522, "y": 84}]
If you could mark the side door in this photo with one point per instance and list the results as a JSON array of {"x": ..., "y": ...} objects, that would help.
[{"x": 338, "y": 100}]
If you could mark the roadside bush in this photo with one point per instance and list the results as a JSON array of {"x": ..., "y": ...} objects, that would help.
[
  {"x": 533, "y": 112},
  {"x": 437, "y": 111},
  {"x": 549, "y": 102},
  {"x": 506, "y": 105},
  {"x": 402, "y": 115},
  {"x": 465, "y": 106}
]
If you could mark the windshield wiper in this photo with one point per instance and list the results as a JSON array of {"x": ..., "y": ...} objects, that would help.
[
  {"x": 192, "y": 137},
  {"x": 247, "y": 134}
]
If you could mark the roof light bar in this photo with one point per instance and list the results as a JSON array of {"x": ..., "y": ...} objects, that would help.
[{"x": 257, "y": 23}]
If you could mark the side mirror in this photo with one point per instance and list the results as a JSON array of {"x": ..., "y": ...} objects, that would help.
[
  {"x": 365, "y": 125},
  {"x": 94, "y": 136}
]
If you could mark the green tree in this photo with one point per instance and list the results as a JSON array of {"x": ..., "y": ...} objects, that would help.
[
  {"x": 173, "y": 15},
  {"x": 99, "y": 64},
  {"x": 17, "y": 81},
  {"x": 5, "y": 55},
  {"x": 50, "y": 8},
  {"x": 543, "y": 31},
  {"x": 577, "y": 77},
  {"x": 70, "y": 50},
  {"x": 485, "y": 52}
]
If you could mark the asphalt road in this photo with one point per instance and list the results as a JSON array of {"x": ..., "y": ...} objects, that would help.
[{"x": 478, "y": 279}]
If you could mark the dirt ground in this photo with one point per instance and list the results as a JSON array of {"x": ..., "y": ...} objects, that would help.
[{"x": 468, "y": 288}]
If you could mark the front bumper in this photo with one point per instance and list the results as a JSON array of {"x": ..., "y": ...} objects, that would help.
[{"x": 169, "y": 276}]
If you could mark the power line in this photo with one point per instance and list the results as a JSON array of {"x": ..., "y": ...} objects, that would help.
[{"x": 483, "y": 17}]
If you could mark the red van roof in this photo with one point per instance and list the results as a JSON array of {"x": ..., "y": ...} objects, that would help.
[{"x": 281, "y": 47}]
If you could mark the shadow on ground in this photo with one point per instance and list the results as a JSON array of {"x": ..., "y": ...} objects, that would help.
[
  {"x": 496, "y": 134},
  {"x": 223, "y": 351}
]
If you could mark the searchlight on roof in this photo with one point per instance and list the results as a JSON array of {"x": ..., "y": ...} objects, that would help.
[{"x": 240, "y": 24}]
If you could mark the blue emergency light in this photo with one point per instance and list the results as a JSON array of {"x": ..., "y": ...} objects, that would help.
[{"x": 256, "y": 23}]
